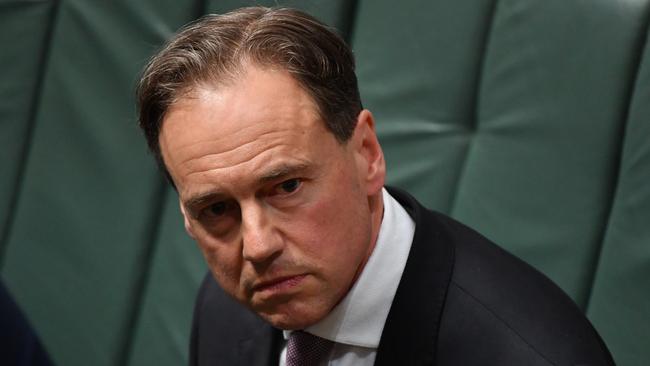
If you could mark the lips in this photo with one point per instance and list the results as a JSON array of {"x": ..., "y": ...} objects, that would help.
[{"x": 279, "y": 283}]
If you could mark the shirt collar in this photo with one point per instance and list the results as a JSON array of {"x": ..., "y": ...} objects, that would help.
[{"x": 359, "y": 318}]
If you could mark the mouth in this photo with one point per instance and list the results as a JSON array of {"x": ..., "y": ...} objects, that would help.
[{"x": 279, "y": 284}]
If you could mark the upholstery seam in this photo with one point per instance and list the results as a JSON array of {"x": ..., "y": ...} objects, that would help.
[
  {"x": 476, "y": 101},
  {"x": 140, "y": 292},
  {"x": 630, "y": 98},
  {"x": 351, "y": 16},
  {"x": 36, "y": 98},
  {"x": 154, "y": 236}
]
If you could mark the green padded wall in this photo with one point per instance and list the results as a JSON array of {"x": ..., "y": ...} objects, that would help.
[
  {"x": 527, "y": 119},
  {"x": 81, "y": 243},
  {"x": 425, "y": 111},
  {"x": 24, "y": 31},
  {"x": 337, "y": 13},
  {"x": 619, "y": 300},
  {"x": 539, "y": 177},
  {"x": 161, "y": 327}
]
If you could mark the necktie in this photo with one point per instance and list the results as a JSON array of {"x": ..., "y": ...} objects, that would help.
[{"x": 304, "y": 349}]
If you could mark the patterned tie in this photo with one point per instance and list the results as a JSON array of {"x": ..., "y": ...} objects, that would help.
[{"x": 304, "y": 349}]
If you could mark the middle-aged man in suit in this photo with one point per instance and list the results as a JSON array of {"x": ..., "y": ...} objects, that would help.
[{"x": 256, "y": 117}]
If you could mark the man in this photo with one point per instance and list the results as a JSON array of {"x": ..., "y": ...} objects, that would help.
[{"x": 256, "y": 117}]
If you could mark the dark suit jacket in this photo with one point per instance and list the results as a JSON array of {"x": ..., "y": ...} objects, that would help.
[
  {"x": 19, "y": 344},
  {"x": 462, "y": 301}
]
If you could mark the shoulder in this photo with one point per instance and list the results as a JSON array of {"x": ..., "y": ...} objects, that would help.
[{"x": 501, "y": 307}]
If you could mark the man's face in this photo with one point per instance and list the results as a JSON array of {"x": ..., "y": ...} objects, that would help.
[{"x": 284, "y": 214}]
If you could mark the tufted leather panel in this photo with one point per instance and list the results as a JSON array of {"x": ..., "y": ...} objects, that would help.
[{"x": 526, "y": 119}]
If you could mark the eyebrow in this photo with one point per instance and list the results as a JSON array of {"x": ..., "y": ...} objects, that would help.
[
  {"x": 281, "y": 171},
  {"x": 192, "y": 203},
  {"x": 276, "y": 173}
]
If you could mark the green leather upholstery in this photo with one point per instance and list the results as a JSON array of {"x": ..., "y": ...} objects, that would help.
[{"x": 526, "y": 119}]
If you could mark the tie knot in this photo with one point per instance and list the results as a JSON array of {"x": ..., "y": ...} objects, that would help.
[{"x": 304, "y": 349}]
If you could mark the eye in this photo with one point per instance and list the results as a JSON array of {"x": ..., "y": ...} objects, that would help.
[
  {"x": 217, "y": 209},
  {"x": 219, "y": 217},
  {"x": 289, "y": 186}
]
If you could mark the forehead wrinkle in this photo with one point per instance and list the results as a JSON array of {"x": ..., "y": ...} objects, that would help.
[
  {"x": 258, "y": 163},
  {"x": 229, "y": 150},
  {"x": 239, "y": 155},
  {"x": 299, "y": 114},
  {"x": 225, "y": 140},
  {"x": 230, "y": 166}
]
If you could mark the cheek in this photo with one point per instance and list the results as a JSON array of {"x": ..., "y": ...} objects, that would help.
[
  {"x": 225, "y": 265},
  {"x": 332, "y": 230}
]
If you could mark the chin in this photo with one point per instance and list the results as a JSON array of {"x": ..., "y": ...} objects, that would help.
[
  {"x": 292, "y": 320},
  {"x": 289, "y": 324}
]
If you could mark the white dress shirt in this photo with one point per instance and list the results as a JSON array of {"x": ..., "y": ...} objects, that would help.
[{"x": 357, "y": 322}]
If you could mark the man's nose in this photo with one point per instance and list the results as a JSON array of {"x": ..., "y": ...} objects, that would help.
[{"x": 261, "y": 240}]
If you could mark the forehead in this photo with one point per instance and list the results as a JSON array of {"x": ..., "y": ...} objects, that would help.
[
  {"x": 258, "y": 97},
  {"x": 263, "y": 115}
]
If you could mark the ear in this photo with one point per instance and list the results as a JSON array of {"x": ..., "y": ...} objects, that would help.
[
  {"x": 186, "y": 221},
  {"x": 370, "y": 157}
]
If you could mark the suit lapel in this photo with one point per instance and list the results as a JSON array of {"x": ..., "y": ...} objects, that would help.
[
  {"x": 411, "y": 330},
  {"x": 262, "y": 348}
]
